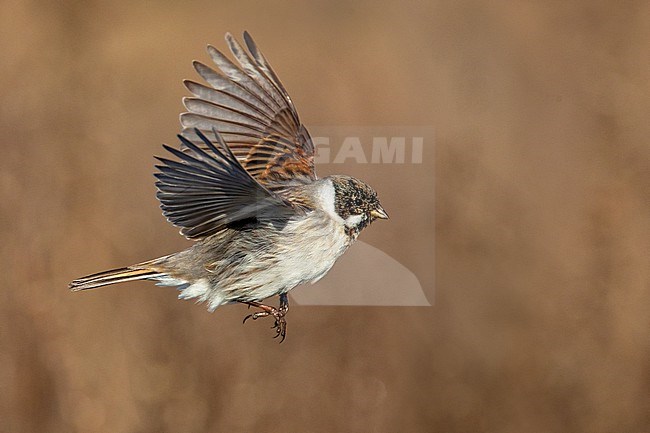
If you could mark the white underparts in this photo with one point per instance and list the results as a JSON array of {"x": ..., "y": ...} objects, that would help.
[{"x": 201, "y": 291}]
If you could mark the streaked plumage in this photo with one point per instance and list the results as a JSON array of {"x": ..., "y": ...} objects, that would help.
[{"x": 243, "y": 186}]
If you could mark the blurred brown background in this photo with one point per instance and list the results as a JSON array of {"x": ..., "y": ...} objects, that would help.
[{"x": 541, "y": 206}]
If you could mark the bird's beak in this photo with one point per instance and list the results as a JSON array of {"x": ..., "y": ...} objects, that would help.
[{"x": 379, "y": 213}]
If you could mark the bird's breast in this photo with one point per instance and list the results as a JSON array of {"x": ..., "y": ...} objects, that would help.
[{"x": 309, "y": 248}]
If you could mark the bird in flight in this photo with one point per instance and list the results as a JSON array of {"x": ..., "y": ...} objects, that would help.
[{"x": 242, "y": 185}]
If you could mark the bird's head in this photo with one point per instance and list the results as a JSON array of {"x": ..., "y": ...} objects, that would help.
[{"x": 356, "y": 203}]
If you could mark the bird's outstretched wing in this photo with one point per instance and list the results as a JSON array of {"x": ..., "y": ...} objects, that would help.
[
  {"x": 249, "y": 107},
  {"x": 207, "y": 189}
]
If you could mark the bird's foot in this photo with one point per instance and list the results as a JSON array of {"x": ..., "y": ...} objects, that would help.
[{"x": 278, "y": 314}]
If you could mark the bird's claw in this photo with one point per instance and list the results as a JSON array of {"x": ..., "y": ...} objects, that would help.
[
  {"x": 256, "y": 316},
  {"x": 280, "y": 326},
  {"x": 280, "y": 323}
]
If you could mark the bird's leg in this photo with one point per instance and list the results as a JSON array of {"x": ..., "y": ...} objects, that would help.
[
  {"x": 280, "y": 324},
  {"x": 284, "y": 304}
]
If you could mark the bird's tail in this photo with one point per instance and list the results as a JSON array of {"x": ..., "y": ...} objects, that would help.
[{"x": 114, "y": 276}]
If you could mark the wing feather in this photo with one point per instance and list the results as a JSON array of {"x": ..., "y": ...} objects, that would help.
[
  {"x": 207, "y": 188},
  {"x": 248, "y": 105}
]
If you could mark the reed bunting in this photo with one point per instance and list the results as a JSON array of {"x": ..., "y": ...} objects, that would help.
[{"x": 242, "y": 185}]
